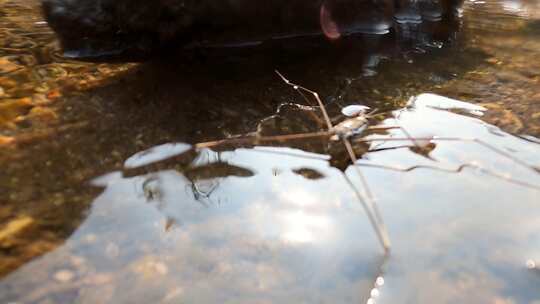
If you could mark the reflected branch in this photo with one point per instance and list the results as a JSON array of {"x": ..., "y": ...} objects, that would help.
[{"x": 344, "y": 131}]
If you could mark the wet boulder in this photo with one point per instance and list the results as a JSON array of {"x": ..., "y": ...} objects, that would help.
[{"x": 103, "y": 28}]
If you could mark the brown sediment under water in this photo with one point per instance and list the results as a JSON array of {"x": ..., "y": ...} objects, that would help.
[{"x": 104, "y": 200}]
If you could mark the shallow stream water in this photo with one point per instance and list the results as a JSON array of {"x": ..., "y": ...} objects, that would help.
[{"x": 102, "y": 200}]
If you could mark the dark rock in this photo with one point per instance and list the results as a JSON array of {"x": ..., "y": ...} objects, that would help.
[{"x": 104, "y": 28}]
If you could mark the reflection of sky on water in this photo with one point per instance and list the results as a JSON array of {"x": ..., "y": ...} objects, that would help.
[{"x": 277, "y": 237}]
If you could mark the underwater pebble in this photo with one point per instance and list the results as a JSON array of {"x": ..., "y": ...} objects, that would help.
[
  {"x": 8, "y": 83},
  {"x": 98, "y": 279},
  {"x": 89, "y": 238},
  {"x": 54, "y": 94},
  {"x": 308, "y": 173},
  {"x": 492, "y": 60},
  {"x": 64, "y": 276},
  {"x": 12, "y": 108},
  {"x": 173, "y": 294},
  {"x": 42, "y": 114},
  {"x": 42, "y": 88},
  {"x": 40, "y": 99},
  {"x": 149, "y": 267},
  {"x": 6, "y": 140},
  {"x": 161, "y": 268},
  {"x": 15, "y": 226},
  {"x": 7, "y": 66},
  {"x": 112, "y": 251},
  {"x": 93, "y": 295},
  {"x": 77, "y": 261}
]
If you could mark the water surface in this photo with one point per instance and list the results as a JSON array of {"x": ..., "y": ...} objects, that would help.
[{"x": 274, "y": 223}]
